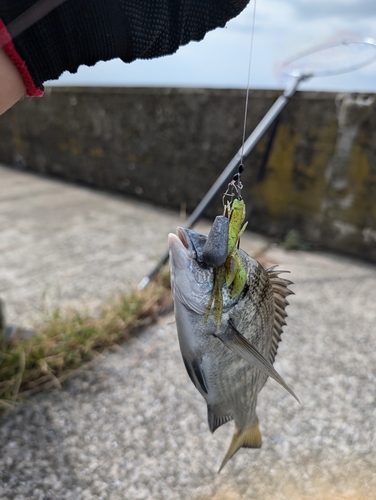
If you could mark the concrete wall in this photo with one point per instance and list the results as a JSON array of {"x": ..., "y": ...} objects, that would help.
[{"x": 169, "y": 145}]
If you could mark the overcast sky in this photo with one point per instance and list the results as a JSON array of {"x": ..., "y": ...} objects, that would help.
[{"x": 283, "y": 28}]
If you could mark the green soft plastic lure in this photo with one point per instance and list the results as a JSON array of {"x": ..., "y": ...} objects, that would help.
[
  {"x": 235, "y": 271},
  {"x": 232, "y": 273}
]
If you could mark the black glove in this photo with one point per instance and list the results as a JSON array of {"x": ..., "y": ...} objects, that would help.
[{"x": 87, "y": 31}]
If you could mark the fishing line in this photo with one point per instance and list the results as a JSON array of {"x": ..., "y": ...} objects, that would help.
[
  {"x": 235, "y": 187},
  {"x": 248, "y": 80},
  {"x": 299, "y": 72}
]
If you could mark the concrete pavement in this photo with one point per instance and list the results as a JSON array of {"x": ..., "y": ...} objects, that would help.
[{"x": 135, "y": 427}]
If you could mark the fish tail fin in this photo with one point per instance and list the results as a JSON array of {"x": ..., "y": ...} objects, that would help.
[{"x": 249, "y": 438}]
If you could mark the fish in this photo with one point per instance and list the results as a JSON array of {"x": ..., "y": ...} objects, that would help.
[{"x": 227, "y": 357}]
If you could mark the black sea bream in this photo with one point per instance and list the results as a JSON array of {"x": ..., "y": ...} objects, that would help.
[{"x": 228, "y": 360}]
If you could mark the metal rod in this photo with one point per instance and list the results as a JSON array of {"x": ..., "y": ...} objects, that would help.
[
  {"x": 232, "y": 167},
  {"x": 29, "y": 17}
]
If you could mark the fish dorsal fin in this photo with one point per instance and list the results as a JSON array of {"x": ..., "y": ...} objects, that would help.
[{"x": 280, "y": 292}]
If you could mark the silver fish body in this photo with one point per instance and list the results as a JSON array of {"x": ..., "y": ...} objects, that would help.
[{"x": 229, "y": 362}]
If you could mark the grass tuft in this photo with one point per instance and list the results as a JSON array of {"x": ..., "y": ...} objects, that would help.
[{"x": 68, "y": 341}]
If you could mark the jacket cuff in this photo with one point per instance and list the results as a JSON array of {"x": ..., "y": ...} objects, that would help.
[{"x": 7, "y": 45}]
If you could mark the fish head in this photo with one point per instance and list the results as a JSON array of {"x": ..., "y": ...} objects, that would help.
[{"x": 191, "y": 279}]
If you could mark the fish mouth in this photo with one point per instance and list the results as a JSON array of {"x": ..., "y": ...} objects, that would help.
[
  {"x": 190, "y": 286},
  {"x": 192, "y": 241},
  {"x": 182, "y": 234},
  {"x": 180, "y": 245}
]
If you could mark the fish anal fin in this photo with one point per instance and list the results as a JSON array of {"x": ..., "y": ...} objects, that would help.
[
  {"x": 249, "y": 438},
  {"x": 214, "y": 422}
]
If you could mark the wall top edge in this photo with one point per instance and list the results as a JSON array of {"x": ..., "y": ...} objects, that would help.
[{"x": 188, "y": 90}]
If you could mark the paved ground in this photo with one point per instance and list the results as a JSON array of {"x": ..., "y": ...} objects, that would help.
[{"x": 135, "y": 427}]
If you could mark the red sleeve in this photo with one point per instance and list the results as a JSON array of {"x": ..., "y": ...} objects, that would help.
[{"x": 7, "y": 45}]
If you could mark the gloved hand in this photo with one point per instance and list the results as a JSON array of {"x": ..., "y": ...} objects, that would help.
[{"x": 87, "y": 31}]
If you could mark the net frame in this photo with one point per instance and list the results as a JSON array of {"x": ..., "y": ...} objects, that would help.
[{"x": 346, "y": 67}]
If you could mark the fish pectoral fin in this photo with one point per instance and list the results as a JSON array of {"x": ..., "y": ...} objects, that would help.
[
  {"x": 238, "y": 344},
  {"x": 214, "y": 422},
  {"x": 249, "y": 438}
]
